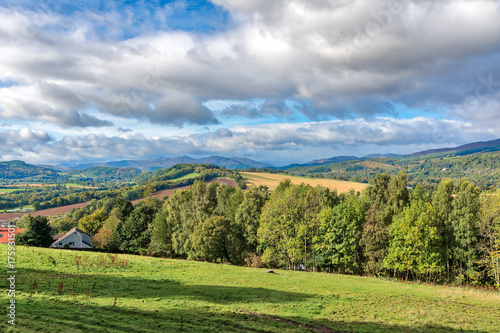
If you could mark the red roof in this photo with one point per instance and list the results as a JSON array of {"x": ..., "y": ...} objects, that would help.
[{"x": 4, "y": 234}]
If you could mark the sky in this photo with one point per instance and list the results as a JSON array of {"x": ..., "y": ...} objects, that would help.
[{"x": 283, "y": 81}]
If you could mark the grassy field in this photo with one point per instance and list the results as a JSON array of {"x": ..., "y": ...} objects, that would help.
[
  {"x": 272, "y": 181},
  {"x": 69, "y": 291},
  {"x": 10, "y": 190},
  {"x": 188, "y": 176}
]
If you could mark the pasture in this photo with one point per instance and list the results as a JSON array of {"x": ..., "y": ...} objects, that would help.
[
  {"x": 272, "y": 181},
  {"x": 72, "y": 291}
]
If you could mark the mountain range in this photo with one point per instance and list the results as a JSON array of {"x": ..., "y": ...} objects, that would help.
[
  {"x": 166, "y": 162},
  {"x": 19, "y": 169}
]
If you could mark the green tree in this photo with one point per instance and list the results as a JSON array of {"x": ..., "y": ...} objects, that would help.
[
  {"x": 37, "y": 232},
  {"x": 211, "y": 239},
  {"x": 103, "y": 238},
  {"x": 415, "y": 242},
  {"x": 378, "y": 194},
  {"x": 464, "y": 219},
  {"x": 398, "y": 196},
  {"x": 288, "y": 224},
  {"x": 136, "y": 231},
  {"x": 489, "y": 237},
  {"x": 93, "y": 222},
  {"x": 442, "y": 201},
  {"x": 375, "y": 240},
  {"x": 248, "y": 214},
  {"x": 340, "y": 233},
  {"x": 161, "y": 240}
]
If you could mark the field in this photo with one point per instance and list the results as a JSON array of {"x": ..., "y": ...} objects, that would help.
[
  {"x": 188, "y": 176},
  {"x": 75, "y": 291},
  {"x": 10, "y": 190},
  {"x": 272, "y": 181}
]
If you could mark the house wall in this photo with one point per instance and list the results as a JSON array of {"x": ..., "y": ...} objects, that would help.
[{"x": 76, "y": 239}]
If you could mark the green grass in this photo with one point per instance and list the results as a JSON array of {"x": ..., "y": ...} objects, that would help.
[
  {"x": 10, "y": 190},
  {"x": 188, "y": 176},
  {"x": 160, "y": 295}
]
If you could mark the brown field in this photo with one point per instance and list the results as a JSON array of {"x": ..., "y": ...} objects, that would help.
[
  {"x": 66, "y": 209},
  {"x": 272, "y": 181},
  {"x": 44, "y": 212},
  {"x": 40, "y": 185},
  {"x": 373, "y": 164}
]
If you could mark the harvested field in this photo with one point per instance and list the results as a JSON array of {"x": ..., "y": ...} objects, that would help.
[
  {"x": 44, "y": 212},
  {"x": 66, "y": 209},
  {"x": 272, "y": 181},
  {"x": 377, "y": 165}
]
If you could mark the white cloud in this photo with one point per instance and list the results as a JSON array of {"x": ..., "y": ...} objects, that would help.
[
  {"x": 334, "y": 55},
  {"x": 269, "y": 140},
  {"x": 350, "y": 60}
]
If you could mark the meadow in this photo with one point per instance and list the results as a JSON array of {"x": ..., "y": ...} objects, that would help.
[
  {"x": 272, "y": 181},
  {"x": 75, "y": 291}
]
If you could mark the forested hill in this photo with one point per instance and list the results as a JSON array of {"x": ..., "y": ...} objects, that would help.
[
  {"x": 483, "y": 169},
  {"x": 20, "y": 169}
]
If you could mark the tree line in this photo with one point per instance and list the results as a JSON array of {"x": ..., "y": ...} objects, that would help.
[{"x": 447, "y": 235}]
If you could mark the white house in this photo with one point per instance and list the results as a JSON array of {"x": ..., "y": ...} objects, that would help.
[{"x": 75, "y": 238}]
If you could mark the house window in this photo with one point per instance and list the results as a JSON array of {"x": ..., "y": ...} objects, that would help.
[
  {"x": 71, "y": 243},
  {"x": 60, "y": 244}
]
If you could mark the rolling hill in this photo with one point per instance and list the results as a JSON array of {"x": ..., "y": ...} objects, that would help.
[
  {"x": 75, "y": 291},
  {"x": 470, "y": 148}
]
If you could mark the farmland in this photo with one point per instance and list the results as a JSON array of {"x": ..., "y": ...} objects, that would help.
[
  {"x": 272, "y": 181},
  {"x": 81, "y": 292}
]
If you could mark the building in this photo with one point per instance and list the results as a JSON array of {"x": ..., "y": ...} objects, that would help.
[
  {"x": 75, "y": 239},
  {"x": 4, "y": 235}
]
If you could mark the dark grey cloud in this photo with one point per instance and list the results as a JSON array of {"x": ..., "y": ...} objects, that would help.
[
  {"x": 356, "y": 61},
  {"x": 346, "y": 59},
  {"x": 124, "y": 130},
  {"x": 272, "y": 107}
]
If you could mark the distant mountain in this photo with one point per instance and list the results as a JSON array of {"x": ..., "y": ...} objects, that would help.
[
  {"x": 166, "y": 162},
  {"x": 470, "y": 148},
  {"x": 335, "y": 159},
  {"x": 381, "y": 155}
]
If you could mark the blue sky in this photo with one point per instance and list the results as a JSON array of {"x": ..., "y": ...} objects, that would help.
[{"x": 282, "y": 81}]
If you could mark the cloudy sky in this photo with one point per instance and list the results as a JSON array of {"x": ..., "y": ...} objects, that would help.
[{"x": 278, "y": 81}]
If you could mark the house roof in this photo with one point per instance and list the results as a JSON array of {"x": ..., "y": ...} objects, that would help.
[
  {"x": 69, "y": 233},
  {"x": 4, "y": 234},
  {"x": 58, "y": 236}
]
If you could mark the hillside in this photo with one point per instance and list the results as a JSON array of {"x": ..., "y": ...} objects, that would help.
[
  {"x": 74, "y": 291},
  {"x": 20, "y": 170},
  {"x": 470, "y": 148},
  {"x": 272, "y": 181},
  {"x": 106, "y": 174},
  {"x": 483, "y": 169}
]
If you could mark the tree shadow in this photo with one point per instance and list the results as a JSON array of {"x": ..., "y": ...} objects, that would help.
[
  {"x": 144, "y": 305},
  {"x": 140, "y": 288},
  {"x": 44, "y": 316}
]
